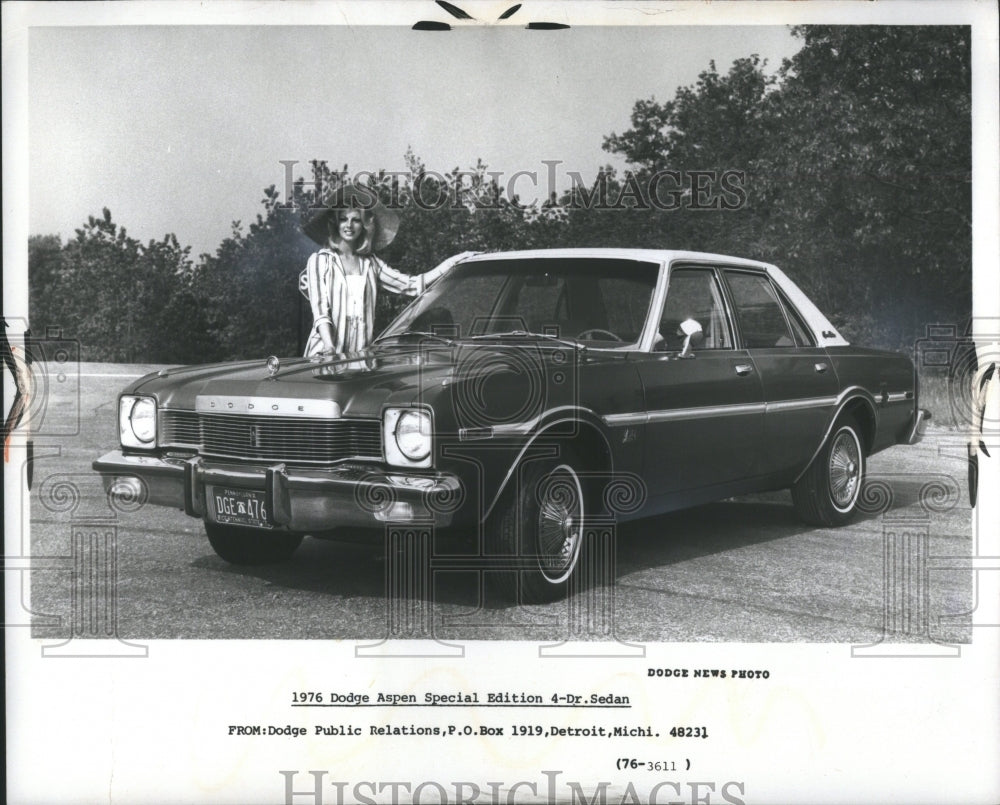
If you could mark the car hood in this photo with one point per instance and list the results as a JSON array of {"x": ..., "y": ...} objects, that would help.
[{"x": 361, "y": 384}]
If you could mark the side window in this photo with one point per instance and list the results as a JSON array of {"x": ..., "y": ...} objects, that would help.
[
  {"x": 803, "y": 336},
  {"x": 693, "y": 294},
  {"x": 761, "y": 318}
]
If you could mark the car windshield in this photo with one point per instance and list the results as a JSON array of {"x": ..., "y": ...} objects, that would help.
[{"x": 598, "y": 301}]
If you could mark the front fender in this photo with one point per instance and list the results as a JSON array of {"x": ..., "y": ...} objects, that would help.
[{"x": 580, "y": 429}]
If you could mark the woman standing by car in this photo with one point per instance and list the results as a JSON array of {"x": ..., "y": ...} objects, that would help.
[{"x": 342, "y": 278}]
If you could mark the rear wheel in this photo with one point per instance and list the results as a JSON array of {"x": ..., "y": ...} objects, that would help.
[
  {"x": 251, "y": 546},
  {"x": 827, "y": 493},
  {"x": 540, "y": 530}
]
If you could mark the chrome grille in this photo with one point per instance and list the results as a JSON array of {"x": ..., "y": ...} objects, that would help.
[
  {"x": 272, "y": 438},
  {"x": 180, "y": 428}
]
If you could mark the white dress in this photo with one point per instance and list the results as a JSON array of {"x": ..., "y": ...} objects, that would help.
[{"x": 354, "y": 335}]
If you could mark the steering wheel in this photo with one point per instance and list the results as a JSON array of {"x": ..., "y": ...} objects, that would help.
[{"x": 598, "y": 330}]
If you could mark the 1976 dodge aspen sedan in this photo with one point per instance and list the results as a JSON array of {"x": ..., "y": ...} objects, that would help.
[{"x": 508, "y": 399}]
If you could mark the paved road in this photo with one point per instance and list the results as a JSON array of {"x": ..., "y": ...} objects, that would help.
[{"x": 744, "y": 570}]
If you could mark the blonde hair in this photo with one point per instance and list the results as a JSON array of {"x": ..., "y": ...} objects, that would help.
[{"x": 368, "y": 223}]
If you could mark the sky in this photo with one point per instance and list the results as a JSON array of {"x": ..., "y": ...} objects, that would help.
[{"x": 180, "y": 128}]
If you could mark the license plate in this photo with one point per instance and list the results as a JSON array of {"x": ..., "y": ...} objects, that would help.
[{"x": 239, "y": 507}]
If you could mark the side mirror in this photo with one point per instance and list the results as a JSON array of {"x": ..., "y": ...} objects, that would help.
[{"x": 693, "y": 335}]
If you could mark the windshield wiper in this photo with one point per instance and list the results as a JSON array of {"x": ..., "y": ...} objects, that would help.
[
  {"x": 569, "y": 342},
  {"x": 442, "y": 338}
]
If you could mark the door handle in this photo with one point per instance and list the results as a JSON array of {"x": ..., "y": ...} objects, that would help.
[
  {"x": 821, "y": 367},
  {"x": 743, "y": 369}
]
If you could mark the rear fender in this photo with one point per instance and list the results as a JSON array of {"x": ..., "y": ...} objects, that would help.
[{"x": 851, "y": 396}]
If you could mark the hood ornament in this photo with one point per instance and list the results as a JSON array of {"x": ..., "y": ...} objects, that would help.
[{"x": 273, "y": 365}]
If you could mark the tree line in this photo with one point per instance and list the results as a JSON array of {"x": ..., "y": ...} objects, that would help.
[{"x": 849, "y": 167}]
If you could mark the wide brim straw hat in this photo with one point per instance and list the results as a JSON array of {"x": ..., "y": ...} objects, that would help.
[{"x": 352, "y": 196}]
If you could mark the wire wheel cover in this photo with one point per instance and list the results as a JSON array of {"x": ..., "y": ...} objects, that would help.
[
  {"x": 560, "y": 523},
  {"x": 845, "y": 469}
]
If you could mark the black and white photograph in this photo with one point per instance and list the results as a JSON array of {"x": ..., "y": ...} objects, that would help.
[{"x": 489, "y": 402}]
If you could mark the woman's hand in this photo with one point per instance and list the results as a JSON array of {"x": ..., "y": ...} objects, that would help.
[
  {"x": 326, "y": 335},
  {"x": 458, "y": 258}
]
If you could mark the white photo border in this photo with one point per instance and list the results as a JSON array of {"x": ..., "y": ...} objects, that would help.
[{"x": 827, "y": 729}]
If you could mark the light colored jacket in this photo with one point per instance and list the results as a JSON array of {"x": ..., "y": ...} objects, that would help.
[{"x": 324, "y": 283}]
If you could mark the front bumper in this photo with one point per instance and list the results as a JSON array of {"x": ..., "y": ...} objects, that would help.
[{"x": 296, "y": 498}]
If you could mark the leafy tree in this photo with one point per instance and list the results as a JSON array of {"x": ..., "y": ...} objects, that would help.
[
  {"x": 718, "y": 123},
  {"x": 855, "y": 161},
  {"x": 250, "y": 285},
  {"x": 870, "y": 182},
  {"x": 123, "y": 301},
  {"x": 101, "y": 280},
  {"x": 46, "y": 290},
  {"x": 174, "y": 315},
  {"x": 858, "y": 163}
]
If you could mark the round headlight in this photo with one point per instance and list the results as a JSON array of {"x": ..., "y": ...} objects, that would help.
[
  {"x": 142, "y": 419},
  {"x": 413, "y": 434}
]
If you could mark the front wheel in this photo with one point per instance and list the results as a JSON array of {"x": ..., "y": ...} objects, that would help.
[
  {"x": 827, "y": 493},
  {"x": 251, "y": 546},
  {"x": 539, "y": 531}
]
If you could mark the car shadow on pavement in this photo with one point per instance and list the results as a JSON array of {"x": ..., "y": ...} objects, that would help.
[
  {"x": 350, "y": 570},
  {"x": 319, "y": 566},
  {"x": 703, "y": 530},
  {"x": 930, "y": 495},
  {"x": 356, "y": 571}
]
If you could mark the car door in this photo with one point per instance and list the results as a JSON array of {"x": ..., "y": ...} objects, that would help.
[
  {"x": 800, "y": 384},
  {"x": 705, "y": 413}
]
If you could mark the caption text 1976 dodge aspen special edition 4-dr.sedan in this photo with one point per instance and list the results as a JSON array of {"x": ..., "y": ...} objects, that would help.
[{"x": 508, "y": 401}]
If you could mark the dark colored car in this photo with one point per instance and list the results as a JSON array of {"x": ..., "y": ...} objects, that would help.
[{"x": 513, "y": 399}]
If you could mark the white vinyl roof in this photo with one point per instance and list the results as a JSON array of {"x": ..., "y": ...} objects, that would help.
[{"x": 648, "y": 255}]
